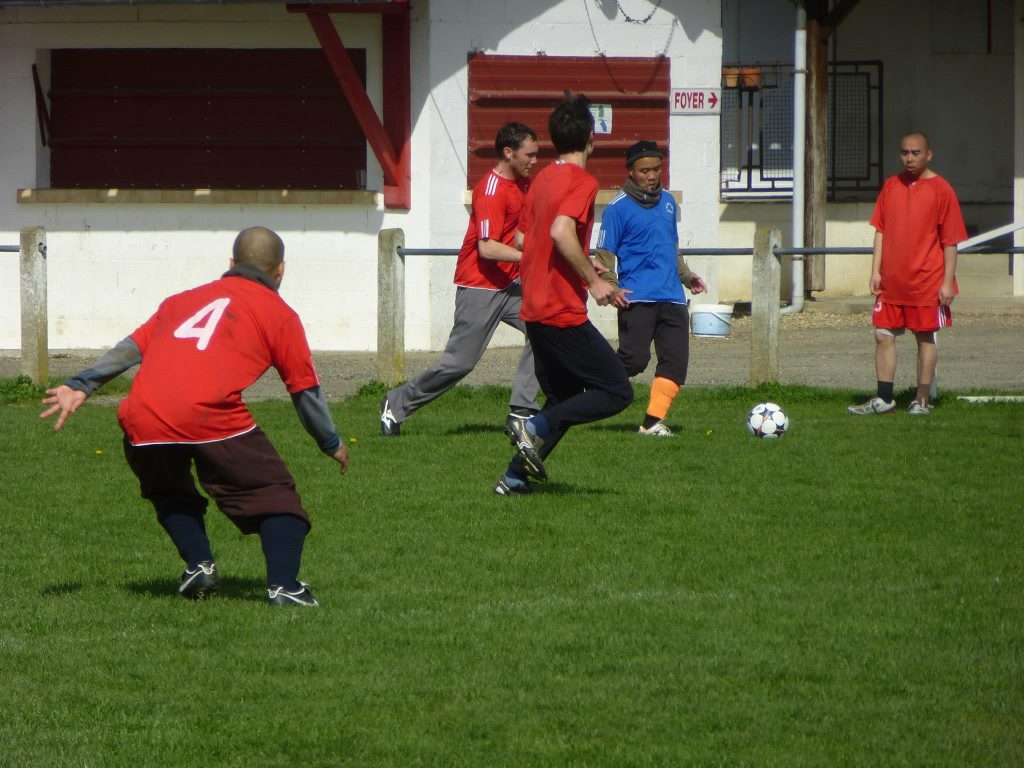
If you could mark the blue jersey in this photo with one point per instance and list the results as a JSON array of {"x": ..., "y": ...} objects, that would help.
[{"x": 646, "y": 242}]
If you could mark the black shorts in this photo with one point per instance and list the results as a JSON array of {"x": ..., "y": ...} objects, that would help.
[
  {"x": 245, "y": 476},
  {"x": 664, "y": 323}
]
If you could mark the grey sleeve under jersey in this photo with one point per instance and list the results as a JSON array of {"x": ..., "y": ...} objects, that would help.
[
  {"x": 311, "y": 406},
  {"x": 122, "y": 356}
]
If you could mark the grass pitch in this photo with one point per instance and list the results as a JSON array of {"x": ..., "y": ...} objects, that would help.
[{"x": 849, "y": 595}]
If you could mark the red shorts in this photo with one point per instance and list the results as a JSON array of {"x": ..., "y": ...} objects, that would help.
[
  {"x": 244, "y": 475},
  {"x": 892, "y": 317}
]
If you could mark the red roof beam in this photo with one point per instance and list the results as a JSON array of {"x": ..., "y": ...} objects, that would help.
[{"x": 352, "y": 86}]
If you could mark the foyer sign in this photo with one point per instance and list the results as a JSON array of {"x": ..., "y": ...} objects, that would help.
[{"x": 696, "y": 101}]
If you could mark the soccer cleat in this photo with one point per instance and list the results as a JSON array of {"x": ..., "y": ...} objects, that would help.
[
  {"x": 199, "y": 582},
  {"x": 657, "y": 430},
  {"x": 874, "y": 405},
  {"x": 389, "y": 425},
  {"x": 300, "y": 597},
  {"x": 515, "y": 425},
  {"x": 528, "y": 447},
  {"x": 918, "y": 409},
  {"x": 502, "y": 488}
]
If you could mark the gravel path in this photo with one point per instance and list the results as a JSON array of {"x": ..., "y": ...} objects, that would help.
[{"x": 815, "y": 348}]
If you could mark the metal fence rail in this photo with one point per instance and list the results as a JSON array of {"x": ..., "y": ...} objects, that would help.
[{"x": 855, "y": 250}]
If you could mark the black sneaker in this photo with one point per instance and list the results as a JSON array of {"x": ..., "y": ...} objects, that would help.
[
  {"x": 199, "y": 582},
  {"x": 389, "y": 425},
  {"x": 502, "y": 488},
  {"x": 528, "y": 447},
  {"x": 301, "y": 597}
]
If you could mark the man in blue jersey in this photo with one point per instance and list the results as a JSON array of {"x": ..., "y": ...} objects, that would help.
[{"x": 639, "y": 240}]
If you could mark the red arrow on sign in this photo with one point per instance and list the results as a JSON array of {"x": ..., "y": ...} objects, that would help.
[{"x": 712, "y": 99}]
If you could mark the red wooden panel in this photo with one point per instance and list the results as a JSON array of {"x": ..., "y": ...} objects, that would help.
[
  {"x": 527, "y": 88},
  {"x": 202, "y": 118}
]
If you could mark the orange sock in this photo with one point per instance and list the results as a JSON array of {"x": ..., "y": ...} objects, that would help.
[{"x": 663, "y": 392}]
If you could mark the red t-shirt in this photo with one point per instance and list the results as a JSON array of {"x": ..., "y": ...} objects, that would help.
[
  {"x": 497, "y": 204},
  {"x": 552, "y": 291},
  {"x": 200, "y": 350},
  {"x": 917, "y": 220}
]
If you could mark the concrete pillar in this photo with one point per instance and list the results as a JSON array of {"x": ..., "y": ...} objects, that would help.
[
  {"x": 1018, "y": 143},
  {"x": 764, "y": 308},
  {"x": 35, "y": 361},
  {"x": 390, "y": 307}
]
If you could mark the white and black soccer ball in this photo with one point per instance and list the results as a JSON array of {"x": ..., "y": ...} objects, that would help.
[{"x": 767, "y": 420}]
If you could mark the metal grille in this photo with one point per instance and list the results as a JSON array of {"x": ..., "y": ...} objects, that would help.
[
  {"x": 777, "y": 131},
  {"x": 731, "y": 142},
  {"x": 849, "y": 143},
  {"x": 757, "y": 129}
]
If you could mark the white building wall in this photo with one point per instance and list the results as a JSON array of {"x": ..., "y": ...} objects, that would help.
[{"x": 109, "y": 264}]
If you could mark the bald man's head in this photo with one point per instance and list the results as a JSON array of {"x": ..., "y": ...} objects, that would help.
[
  {"x": 259, "y": 247},
  {"x": 917, "y": 135}
]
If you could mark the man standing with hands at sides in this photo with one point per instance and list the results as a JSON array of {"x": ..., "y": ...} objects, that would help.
[
  {"x": 197, "y": 353},
  {"x": 917, "y": 225},
  {"x": 640, "y": 240},
  {"x": 488, "y": 292},
  {"x": 578, "y": 370}
]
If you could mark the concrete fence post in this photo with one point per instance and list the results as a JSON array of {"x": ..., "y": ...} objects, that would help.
[
  {"x": 390, "y": 307},
  {"x": 35, "y": 353},
  {"x": 764, "y": 308}
]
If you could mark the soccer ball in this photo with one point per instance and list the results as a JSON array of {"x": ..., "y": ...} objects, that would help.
[{"x": 767, "y": 420}]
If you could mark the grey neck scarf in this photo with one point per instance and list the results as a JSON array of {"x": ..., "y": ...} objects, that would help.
[{"x": 646, "y": 199}]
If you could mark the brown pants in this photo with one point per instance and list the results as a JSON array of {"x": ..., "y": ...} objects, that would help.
[{"x": 245, "y": 476}]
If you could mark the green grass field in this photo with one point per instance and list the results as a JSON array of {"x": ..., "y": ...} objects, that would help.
[{"x": 850, "y": 595}]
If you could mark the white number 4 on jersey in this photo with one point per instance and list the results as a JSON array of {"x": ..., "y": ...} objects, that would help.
[{"x": 203, "y": 323}]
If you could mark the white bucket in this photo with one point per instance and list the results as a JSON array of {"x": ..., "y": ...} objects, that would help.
[{"x": 711, "y": 320}]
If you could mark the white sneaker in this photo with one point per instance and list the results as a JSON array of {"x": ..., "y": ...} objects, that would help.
[
  {"x": 658, "y": 430},
  {"x": 918, "y": 409},
  {"x": 874, "y": 405}
]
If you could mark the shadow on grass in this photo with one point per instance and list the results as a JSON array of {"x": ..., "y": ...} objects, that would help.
[
  {"x": 477, "y": 429},
  {"x": 231, "y": 588},
  {"x": 63, "y": 588},
  {"x": 566, "y": 489}
]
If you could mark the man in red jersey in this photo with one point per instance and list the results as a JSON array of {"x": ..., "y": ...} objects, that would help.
[
  {"x": 578, "y": 370},
  {"x": 185, "y": 408},
  {"x": 488, "y": 293},
  {"x": 917, "y": 225}
]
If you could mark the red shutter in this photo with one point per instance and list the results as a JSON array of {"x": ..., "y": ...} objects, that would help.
[
  {"x": 526, "y": 88},
  {"x": 159, "y": 119}
]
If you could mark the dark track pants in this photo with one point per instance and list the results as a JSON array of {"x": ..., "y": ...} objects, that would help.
[{"x": 580, "y": 374}]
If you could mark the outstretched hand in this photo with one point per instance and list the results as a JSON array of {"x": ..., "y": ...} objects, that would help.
[{"x": 63, "y": 399}]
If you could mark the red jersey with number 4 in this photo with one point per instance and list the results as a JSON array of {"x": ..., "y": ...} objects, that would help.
[
  {"x": 200, "y": 350},
  {"x": 497, "y": 203},
  {"x": 917, "y": 220},
  {"x": 553, "y": 293}
]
